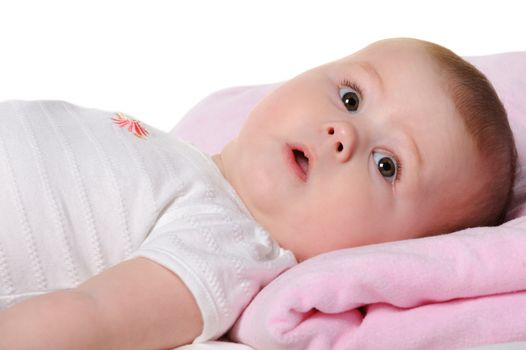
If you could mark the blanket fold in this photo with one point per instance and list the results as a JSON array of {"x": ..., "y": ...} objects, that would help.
[{"x": 451, "y": 291}]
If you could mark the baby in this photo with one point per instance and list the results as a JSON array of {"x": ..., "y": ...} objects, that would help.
[{"x": 144, "y": 242}]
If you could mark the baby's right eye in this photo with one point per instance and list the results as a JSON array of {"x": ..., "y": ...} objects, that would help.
[{"x": 350, "y": 98}]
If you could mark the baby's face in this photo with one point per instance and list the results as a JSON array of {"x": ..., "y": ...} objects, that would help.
[{"x": 363, "y": 150}]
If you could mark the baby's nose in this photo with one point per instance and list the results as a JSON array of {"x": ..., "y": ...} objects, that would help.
[{"x": 342, "y": 139}]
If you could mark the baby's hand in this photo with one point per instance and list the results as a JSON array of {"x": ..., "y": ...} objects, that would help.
[{"x": 137, "y": 304}]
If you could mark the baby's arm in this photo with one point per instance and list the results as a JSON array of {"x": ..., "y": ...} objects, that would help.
[{"x": 136, "y": 304}]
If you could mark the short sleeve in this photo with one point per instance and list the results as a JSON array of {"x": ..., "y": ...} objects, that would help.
[{"x": 223, "y": 257}]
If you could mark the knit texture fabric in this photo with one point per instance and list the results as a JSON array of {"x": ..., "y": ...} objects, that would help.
[{"x": 84, "y": 189}]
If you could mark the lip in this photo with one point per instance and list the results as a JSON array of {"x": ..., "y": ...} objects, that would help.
[{"x": 293, "y": 164}]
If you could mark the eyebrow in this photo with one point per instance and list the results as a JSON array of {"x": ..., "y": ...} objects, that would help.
[
  {"x": 412, "y": 149},
  {"x": 372, "y": 73}
]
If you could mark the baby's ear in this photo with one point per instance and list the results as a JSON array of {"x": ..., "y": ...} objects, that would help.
[{"x": 218, "y": 117}]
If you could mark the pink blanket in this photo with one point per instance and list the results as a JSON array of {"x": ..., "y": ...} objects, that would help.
[{"x": 445, "y": 292}]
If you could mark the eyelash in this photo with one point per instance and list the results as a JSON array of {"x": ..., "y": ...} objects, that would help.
[
  {"x": 358, "y": 89},
  {"x": 354, "y": 86},
  {"x": 398, "y": 168},
  {"x": 397, "y": 163}
]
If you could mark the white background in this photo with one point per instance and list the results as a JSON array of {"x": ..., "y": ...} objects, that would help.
[{"x": 155, "y": 59}]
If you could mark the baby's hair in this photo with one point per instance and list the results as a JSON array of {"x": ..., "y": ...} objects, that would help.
[{"x": 486, "y": 120}]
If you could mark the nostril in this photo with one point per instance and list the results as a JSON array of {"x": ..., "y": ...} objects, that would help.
[
  {"x": 340, "y": 147},
  {"x": 330, "y": 131}
]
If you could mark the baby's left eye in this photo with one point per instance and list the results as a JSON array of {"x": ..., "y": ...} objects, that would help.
[{"x": 387, "y": 165}]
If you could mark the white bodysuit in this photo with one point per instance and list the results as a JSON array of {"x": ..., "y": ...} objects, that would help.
[{"x": 84, "y": 189}]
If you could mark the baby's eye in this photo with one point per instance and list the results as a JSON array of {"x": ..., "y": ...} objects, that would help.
[
  {"x": 387, "y": 165},
  {"x": 350, "y": 98}
]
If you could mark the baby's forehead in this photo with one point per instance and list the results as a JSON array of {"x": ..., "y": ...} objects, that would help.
[{"x": 409, "y": 74}]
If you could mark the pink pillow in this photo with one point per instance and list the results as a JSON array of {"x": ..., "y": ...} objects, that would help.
[{"x": 218, "y": 117}]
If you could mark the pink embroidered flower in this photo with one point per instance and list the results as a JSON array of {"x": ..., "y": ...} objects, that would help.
[{"x": 122, "y": 120}]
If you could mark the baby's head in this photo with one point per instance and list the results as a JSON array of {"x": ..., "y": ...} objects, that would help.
[{"x": 400, "y": 140}]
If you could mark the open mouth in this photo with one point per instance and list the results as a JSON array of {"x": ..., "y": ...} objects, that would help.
[{"x": 300, "y": 163}]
